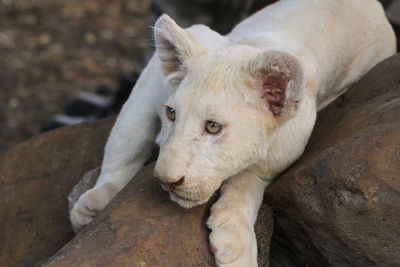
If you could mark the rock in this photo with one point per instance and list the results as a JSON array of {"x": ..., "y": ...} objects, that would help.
[
  {"x": 35, "y": 180},
  {"x": 141, "y": 224},
  {"x": 143, "y": 227},
  {"x": 339, "y": 204}
]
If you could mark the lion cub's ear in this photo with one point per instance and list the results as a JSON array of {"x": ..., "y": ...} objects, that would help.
[
  {"x": 280, "y": 77},
  {"x": 174, "y": 45}
]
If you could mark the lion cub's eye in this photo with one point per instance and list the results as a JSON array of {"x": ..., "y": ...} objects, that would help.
[
  {"x": 213, "y": 127},
  {"x": 170, "y": 113}
]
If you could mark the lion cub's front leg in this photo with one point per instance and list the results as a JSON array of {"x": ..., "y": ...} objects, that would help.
[
  {"x": 128, "y": 147},
  {"x": 232, "y": 220}
]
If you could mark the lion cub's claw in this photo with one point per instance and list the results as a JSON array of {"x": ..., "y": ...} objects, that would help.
[
  {"x": 79, "y": 218},
  {"x": 233, "y": 243},
  {"x": 88, "y": 204}
]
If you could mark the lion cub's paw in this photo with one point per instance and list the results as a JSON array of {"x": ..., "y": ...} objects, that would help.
[
  {"x": 233, "y": 242},
  {"x": 89, "y": 203}
]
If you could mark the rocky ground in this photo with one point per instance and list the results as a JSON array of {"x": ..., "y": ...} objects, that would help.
[{"x": 51, "y": 50}]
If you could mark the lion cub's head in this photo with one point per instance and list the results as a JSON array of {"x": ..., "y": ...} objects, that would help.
[{"x": 221, "y": 119}]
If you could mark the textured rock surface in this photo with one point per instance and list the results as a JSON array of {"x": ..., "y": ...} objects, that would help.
[
  {"x": 35, "y": 180},
  {"x": 142, "y": 227},
  {"x": 341, "y": 201}
]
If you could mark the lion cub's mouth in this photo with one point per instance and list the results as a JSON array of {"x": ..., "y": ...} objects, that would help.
[
  {"x": 181, "y": 197},
  {"x": 186, "y": 202}
]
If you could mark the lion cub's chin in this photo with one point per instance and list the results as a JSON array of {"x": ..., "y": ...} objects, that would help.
[{"x": 187, "y": 203}]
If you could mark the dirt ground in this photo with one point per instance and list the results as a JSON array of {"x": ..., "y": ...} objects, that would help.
[{"x": 51, "y": 50}]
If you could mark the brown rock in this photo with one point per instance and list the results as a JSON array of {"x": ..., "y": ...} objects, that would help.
[
  {"x": 143, "y": 227},
  {"x": 35, "y": 179},
  {"x": 340, "y": 203}
]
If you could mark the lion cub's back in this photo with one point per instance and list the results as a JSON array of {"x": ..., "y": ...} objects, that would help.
[{"x": 344, "y": 37}]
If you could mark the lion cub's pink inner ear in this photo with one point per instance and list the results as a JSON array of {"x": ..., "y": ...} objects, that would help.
[
  {"x": 169, "y": 58},
  {"x": 274, "y": 92},
  {"x": 280, "y": 78}
]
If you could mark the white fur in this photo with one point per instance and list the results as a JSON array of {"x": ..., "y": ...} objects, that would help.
[{"x": 321, "y": 45}]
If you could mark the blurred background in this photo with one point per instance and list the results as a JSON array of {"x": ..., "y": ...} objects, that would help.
[{"x": 68, "y": 61}]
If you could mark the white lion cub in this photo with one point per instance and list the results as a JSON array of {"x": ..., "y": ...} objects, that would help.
[{"x": 237, "y": 109}]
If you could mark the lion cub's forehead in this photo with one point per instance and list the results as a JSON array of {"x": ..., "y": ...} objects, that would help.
[
  {"x": 223, "y": 63},
  {"x": 214, "y": 81},
  {"x": 217, "y": 70}
]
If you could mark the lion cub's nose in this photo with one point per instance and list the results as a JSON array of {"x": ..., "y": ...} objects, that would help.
[{"x": 171, "y": 185}]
